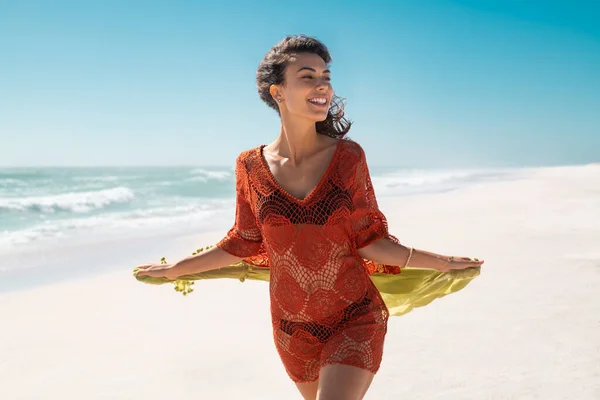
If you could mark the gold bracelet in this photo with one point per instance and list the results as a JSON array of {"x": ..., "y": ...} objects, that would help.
[{"x": 410, "y": 251}]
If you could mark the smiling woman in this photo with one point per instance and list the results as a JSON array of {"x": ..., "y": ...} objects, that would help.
[
  {"x": 306, "y": 210},
  {"x": 301, "y": 64}
]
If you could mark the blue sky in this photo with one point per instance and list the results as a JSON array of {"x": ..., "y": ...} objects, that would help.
[{"x": 428, "y": 83}]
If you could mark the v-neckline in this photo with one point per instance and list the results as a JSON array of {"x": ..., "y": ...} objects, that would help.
[{"x": 314, "y": 190}]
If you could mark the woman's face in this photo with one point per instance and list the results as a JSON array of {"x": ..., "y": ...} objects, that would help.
[{"x": 307, "y": 90}]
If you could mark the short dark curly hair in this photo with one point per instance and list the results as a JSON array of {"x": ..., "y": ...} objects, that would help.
[{"x": 271, "y": 72}]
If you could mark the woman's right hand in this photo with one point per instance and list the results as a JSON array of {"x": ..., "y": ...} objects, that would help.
[{"x": 156, "y": 271}]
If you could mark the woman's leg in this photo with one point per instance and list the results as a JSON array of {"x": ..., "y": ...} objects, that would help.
[
  {"x": 308, "y": 390},
  {"x": 343, "y": 382}
]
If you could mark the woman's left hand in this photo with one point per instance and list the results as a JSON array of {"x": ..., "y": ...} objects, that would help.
[{"x": 452, "y": 263}]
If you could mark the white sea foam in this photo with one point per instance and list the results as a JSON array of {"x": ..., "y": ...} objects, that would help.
[
  {"x": 154, "y": 222},
  {"x": 107, "y": 178},
  {"x": 9, "y": 181},
  {"x": 77, "y": 202},
  {"x": 427, "y": 181},
  {"x": 203, "y": 175}
]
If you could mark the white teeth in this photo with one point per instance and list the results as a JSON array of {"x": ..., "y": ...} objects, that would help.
[{"x": 318, "y": 101}]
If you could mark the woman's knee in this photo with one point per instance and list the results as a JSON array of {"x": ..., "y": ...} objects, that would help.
[
  {"x": 343, "y": 382},
  {"x": 308, "y": 390}
]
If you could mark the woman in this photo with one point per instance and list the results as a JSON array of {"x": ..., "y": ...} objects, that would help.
[{"x": 306, "y": 204}]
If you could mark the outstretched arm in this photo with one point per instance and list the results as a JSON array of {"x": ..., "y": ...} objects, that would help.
[
  {"x": 372, "y": 238},
  {"x": 387, "y": 252},
  {"x": 214, "y": 258},
  {"x": 243, "y": 240}
]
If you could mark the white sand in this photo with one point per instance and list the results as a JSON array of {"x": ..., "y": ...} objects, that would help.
[{"x": 527, "y": 328}]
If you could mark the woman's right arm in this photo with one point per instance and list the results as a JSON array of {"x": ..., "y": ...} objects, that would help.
[
  {"x": 213, "y": 258},
  {"x": 243, "y": 240}
]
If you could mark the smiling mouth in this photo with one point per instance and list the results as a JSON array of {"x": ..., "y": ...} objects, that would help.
[{"x": 318, "y": 101}]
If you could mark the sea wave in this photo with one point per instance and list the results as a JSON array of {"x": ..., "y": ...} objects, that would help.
[
  {"x": 424, "y": 181},
  {"x": 15, "y": 183},
  {"x": 129, "y": 224},
  {"x": 109, "y": 178},
  {"x": 203, "y": 175},
  {"x": 76, "y": 202},
  {"x": 7, "y": 181}
]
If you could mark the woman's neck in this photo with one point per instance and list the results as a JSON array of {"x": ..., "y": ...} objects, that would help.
[{"x": 297, "y": 140}]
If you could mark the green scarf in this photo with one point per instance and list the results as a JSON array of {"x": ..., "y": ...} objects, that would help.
[{"x": 414, "y": 287}]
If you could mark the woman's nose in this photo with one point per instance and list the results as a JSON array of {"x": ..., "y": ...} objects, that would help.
[{"x": 323, "y": 84}]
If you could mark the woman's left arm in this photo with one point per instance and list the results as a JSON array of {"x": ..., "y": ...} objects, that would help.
[
  {"x": 387, "y": 252},
  {"x": 371, "y": 235}
]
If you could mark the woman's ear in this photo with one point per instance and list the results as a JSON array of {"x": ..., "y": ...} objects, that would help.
[{"x": 275, "y": 92}]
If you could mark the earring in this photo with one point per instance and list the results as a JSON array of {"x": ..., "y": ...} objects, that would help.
[{"x": 279, "y": 100}]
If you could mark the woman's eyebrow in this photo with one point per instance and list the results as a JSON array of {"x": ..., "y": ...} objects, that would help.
[{"x": 313, "y": 70}]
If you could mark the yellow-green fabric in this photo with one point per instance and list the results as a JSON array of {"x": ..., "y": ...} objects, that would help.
[{"x": 414, "y": 287}]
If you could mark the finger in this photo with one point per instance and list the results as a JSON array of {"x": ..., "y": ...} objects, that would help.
[
  {"x": 145, "y": 272},
  {"x": 463, "y": 265},
  {"x": 471, "y": 260}
]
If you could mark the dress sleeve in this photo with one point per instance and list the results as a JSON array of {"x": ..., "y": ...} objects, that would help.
[
  {"x": 244, "y": 239},
  {"x": 368, "y": 222}
]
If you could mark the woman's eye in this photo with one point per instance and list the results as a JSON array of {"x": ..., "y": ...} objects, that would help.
[{"x": 327, "y": 78}]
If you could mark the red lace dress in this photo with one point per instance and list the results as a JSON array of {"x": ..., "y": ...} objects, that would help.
[{"x": 325, "y": 308}]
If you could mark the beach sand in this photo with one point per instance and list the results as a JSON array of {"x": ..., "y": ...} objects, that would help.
[{"x": 527, "y": 328}]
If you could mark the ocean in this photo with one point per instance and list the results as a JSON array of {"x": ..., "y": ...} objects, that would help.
[{"x": 44, "y": 210}]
